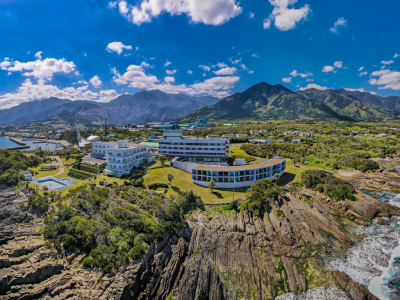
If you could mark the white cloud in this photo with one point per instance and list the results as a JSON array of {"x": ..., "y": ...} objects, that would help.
[
  {"x": 205, "y": 68},
  {"x": 387, "y": 62},
  {"x": 136, "y": 77},
  {"x": 117, "y": 47},
  {"x": 327, "y": 69},
  {"x": 389, "y": 79},
  {"x": 362, "y": 73},
  {"x": 396, "y": 55},
  {"x": 267, "y": 23},
  {"x": 314, "y": 86},
  {"x": 339, "y": 65},
  {"x": 171, "y": 72},
  {"x": 286, "y": 18},
  {"x": 189, "y": 72},
  {"x": 226, "y": 71},
  {"x": 359, "y": 90},
  {"x": 338, "y": 23},
  {"x": 210, "y": 12},
  {"x": 95, "y": 81},
  {"x": 302, "y": 75},
  {"x": 235, "y": 61},
  {"x": 167, "y": 63},
  {"x": 40, "y": 69},
  {"x": 169, "y": 79},
  {"x": 360, "y": 69},
  {"x": 30, "y": 91},
  {"x": 309, "y": 80},
  {"x": 145, "y": 64},
  {"x": 243, "y": 66},
  {"x": 38, "y": 55},
  {"x": 112, "y": 4},
  {"x": 251, "y": 15},
  {"x": 287, "y": 79},
  {"x": 84, "y": 54},
  {"x": 254, "y": 55},
  {"x": 250, "y": 72},
  {"x": 81, "y": 82},
  {"x": 221, "y": 65}
]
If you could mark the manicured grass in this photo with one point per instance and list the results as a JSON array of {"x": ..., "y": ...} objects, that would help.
[
  {"x": 293, "y": 172},
  {"x": 44, "y": 173},
  {"x": 182, "y": 182},
  {"x": 239, "y": 152}
]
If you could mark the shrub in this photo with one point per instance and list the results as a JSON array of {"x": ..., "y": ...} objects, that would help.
[
  {"x": 41, "y": 203},
  {"x": 86, "y": 168},
  {"x": 78, "y": 174},
  {"x": 154, "y": 186}
]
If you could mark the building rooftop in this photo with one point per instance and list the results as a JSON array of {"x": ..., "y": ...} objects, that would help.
[{"x": 268, "y": 163}]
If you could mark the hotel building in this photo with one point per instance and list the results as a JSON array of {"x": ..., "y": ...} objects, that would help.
[
  {"x": 121, "y": 156},
  {"x": 195, "y": 150}
]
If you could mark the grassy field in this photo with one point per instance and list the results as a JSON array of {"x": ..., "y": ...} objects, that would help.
[
  {"x": 294, "y": 172},
  {"x": 182, "y": 182},
  {"x": 44, "y": 173},
  {"x": 240, "y": 153}
]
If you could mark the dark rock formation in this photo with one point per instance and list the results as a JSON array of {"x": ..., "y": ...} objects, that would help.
[{"x": 353, "y": 289}]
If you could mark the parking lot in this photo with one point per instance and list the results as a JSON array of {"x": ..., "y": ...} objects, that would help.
[{"x": 91, "y": 160}]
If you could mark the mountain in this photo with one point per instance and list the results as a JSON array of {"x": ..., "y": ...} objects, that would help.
[
  {"x": 24, "y": 109},
  {"x": 391, "y": 102},
  {"x": 265, "y": 101},
  {"x": 133, "y": 106},
  {"x": 348, "y": 106},
  {"x": 166, "y": 113},
  {"x": 64, "y": 119},
  {"x": 87, "y": 109}
]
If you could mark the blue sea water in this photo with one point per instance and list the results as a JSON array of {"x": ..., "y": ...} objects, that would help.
[{"x": 5, "y": 142}]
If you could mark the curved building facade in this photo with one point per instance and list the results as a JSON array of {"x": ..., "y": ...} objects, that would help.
[{"x": 238, "y": 176}]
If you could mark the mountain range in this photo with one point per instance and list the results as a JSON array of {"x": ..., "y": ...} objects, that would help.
[
  {"x": 260, "y": 101},
  {"x": 266, "y": 101},
  {"x": 142, "y": 107}
]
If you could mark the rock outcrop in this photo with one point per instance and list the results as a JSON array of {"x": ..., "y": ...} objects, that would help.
[
  {"x": 219, "y": 255},
  {"x": 353, "y": 289}
]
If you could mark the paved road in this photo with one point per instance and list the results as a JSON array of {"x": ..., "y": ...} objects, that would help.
[{"x": 59, "y": 162}]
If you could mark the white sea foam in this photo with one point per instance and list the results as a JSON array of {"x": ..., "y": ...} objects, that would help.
[
  {"x": 320, "y": 293},
  {"x": 368, "y": 263}
]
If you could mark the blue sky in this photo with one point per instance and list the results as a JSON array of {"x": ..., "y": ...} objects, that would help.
[{"x": 97, "y": 50}]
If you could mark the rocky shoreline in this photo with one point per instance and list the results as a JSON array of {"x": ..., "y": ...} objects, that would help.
[{"x": 219, "y": 255}]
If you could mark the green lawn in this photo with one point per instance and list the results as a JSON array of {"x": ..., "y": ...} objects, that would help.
[
  {"x": 44, "y": 173},
  {"x": 293, "y": 172},
  {"x": 182, "y": 182},
  {"x": 240, "y": 153}
]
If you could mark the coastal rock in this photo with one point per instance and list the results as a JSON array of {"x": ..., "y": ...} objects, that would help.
[{"x": 353, "y": 289}]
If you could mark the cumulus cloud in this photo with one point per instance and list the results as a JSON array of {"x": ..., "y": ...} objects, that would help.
[
  {"x": 251, "y": 15},
  {"x": 341, "y": 22},
  {"x": 30, "y": 91},
  {"x": 167, "y": 63},
  {"x": 314, "y": 86},
  {"x": 171, "y": 72},
  {"x": 387, "y": 62},
  {"x": 95, "y": 81},
  {"x": 302, "y": 75},
  {"x": 396, "y": 55},
  {"x": 135, "y": 76},
  {"x": 221, "y": 65},
  {"x": 112, "y": 4},
  {"x": 254, "y": 55},
  {"x": 360, "y": 69},
  {"x": 117, "y": 47},
  {"x": 386, "y": 78},
  {"x": 339, "y": 65},
  {"x": 81, "y": 82},
  {"x": 362, "y": 73},
  {"x": 250, "y": 72},
  {"x": 205, "y": 68},
  {"x": 189, "y": 72},
  {"x": 226, "y": 71},
  {"x": 40, "y": 69},
  {"x": 210, "y": 12},
  {"x": 287, "y": 79},
  {"x": 327, "y": 69},
  {"x": 169, "y": 79},
  {"x": 359, "y": 90},
  {"x": 286, "y": 18},
  {"x": 309, "y": 79}
]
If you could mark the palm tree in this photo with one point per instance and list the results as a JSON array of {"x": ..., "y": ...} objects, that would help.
[
  {"x": 276, "y": 177},
  {"x": 211, "y": 185},
  {"x": 170, "y": 177}
]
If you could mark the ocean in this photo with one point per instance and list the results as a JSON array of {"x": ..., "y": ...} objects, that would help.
[{"x": 5, "y": 142}]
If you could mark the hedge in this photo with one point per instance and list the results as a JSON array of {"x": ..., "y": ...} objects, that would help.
[
  {"x": 154, "y": 186},
  {"x": 78, "y": 174},
  {"x": 86, "y": 168}
]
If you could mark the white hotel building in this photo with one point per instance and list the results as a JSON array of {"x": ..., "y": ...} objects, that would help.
[
  {"x": 196, "y": 150},
  {"x": 121, "y": 156}
]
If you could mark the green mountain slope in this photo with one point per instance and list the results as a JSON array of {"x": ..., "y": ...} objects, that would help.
[
  {"x": 390, "y": 102},
  {"x": 265, "y": 101},
  {"x": 349, "y": 106}
]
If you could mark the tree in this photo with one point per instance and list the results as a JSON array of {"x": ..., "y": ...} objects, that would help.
[
  {"x": 276, "y": 177},
  {"x": 170, "y": 177},
  {"x": 162, "y": 159},
  {"x": 211, "y": 185}
]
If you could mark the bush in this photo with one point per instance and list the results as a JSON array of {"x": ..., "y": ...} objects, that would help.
[
  {"x": 154, "y": 186},
  {"x": 41, "y": 203},
  {"x": 78, "y": 174},
  {"x": 86, "y": 168}
]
